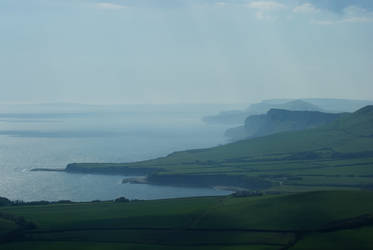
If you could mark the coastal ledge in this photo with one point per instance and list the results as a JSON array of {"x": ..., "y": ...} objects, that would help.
[
  {"x": 161, "y": 177},
  {"x": 228, "y": 182},
  {"x": 110, "y": 169},
  {"x": 47, "y": 170},
  {"x": 154, "y": 176},
  {"x": 102, "y": 169}
]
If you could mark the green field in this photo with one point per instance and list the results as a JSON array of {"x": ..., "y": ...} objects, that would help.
[{"x": 299, "y": 221}]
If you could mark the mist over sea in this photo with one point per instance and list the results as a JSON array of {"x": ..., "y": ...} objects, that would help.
[{"x": 49, "y": 139}]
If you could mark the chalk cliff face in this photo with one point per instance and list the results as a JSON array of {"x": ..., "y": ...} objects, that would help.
[{"x": 278, "y": 120}]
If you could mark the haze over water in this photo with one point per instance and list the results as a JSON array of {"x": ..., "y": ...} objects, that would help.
[{"x": 52, "y": 140}]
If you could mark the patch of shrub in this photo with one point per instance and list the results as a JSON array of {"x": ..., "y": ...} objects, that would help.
[{"x": 121, "y": 199}]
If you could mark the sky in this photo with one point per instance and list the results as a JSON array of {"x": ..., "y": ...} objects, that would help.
[{"x": 184, "y": 51}]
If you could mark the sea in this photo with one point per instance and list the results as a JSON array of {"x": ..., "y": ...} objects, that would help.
[{"x": 52, "y": 136}]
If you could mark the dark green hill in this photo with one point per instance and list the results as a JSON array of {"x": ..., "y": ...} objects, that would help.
[
  {"x": 313, "y": 220},
  {"x": 278, "y": 120},
  {"x": 349, "y": 134}
]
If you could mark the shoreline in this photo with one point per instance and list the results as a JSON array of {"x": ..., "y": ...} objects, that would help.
[
  {"x": 48, "y": 170},
  {"x": 143, "y": 180},
  {"x": 144, "y": 176}
]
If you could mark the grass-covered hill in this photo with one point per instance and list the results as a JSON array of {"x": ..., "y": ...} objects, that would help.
[
  {"x": 279, "y": 120},
  {"x": 315, "y": 220},
  {"x": 336, "y": 155}
]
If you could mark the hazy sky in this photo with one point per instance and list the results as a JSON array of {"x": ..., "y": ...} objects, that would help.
[{"x": 184, "y": 51}]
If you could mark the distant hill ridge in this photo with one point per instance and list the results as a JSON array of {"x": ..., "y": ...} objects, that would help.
[
  {"x": 279, "y": 120},
  {"x": 351, "y": 132},
  {"x": 238, "y": 117}
]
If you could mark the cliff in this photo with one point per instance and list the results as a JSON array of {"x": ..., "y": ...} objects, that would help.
[{"x": 277, "y": 120}]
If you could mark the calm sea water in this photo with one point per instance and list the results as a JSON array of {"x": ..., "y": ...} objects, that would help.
[{"x": 54, "y": 140}]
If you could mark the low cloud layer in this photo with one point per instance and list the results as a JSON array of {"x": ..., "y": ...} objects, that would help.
[
  {"x": 184, "y": 51},
  {"x": 318, "y": 12},
  {"x": 266, "y": 5},
  {"x": 306, "y": 8},
  {"x": 109, "y": 6}
]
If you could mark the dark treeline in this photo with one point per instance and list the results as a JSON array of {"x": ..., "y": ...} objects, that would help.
[{"x": 7, "y": 202}]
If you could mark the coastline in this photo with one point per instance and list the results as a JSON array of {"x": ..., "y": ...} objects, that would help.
[
  {"x": 153, "y": 176},
  {"x": 48, "y": 170}
]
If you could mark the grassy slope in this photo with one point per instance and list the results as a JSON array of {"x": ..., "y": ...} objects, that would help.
[
  {"x": 344, "y": 239},
  {"x": 119, "y": 246},
  {"x": 267, "y": 222},
  {"x": 305, "y": 211},
  {"x": 342, "y": 149},
  {"x": 6, "y": 226}
]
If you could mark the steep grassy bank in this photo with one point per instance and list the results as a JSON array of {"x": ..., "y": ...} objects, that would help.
[
  {"x": 338, "y": 155},
  {"x": 277, "y": 120}
]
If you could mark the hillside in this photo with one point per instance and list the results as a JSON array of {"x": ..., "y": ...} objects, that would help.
[
  {"x": 277, "y": 120},
  {"x": 314, "y": 220},
  {"x": 338, "y": 155},
  {"x": 353, "y": 130}
]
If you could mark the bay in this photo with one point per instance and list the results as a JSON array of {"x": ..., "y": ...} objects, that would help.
[{"x": 55, "y": 139}]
